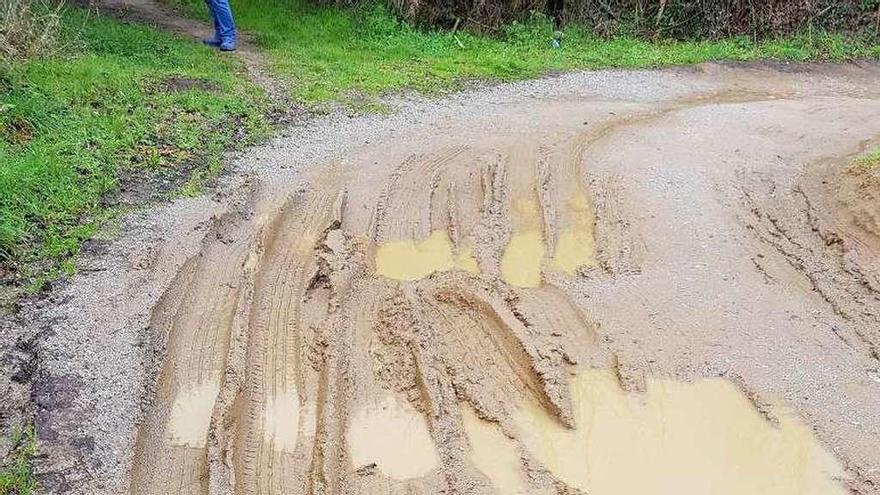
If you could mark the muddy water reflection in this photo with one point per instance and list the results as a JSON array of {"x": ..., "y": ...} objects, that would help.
[
  {"x": 394, "y": 436},
  {"x": 413, "y": 260},
  {"x": 701, "y": 437}
]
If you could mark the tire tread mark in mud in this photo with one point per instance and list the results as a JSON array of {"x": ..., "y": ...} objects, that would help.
[
  {"x": 508, "y": 334},
  {"x": 275, "y": 363},
  {"x": 798, "y": 253},
  {"x": 402, "y": 191}
]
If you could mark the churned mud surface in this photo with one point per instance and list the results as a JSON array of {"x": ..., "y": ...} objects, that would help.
[{"x": 605, "y": 283}]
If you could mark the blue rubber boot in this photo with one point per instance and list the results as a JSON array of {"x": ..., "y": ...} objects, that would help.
[{"x": 224, "y": 24}]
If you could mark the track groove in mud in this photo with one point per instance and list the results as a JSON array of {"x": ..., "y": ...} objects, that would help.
[{"x": 818, "y": 254}]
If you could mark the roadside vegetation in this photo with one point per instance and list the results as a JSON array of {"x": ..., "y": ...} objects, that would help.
[
  {"x": 97, "y": 115},
  {"x": 111, "y": 106},
  {"x": 333, "y": 53},
  {"x": 16, "y": 475}
]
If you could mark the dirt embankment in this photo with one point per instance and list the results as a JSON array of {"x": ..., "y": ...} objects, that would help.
[{"x": 601, "y": 283}]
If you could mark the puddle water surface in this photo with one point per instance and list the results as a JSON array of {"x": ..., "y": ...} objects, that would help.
[
  {"x": 191, "y": 415},
  {"x": 494, "y": 454},
  {"x": 702, "y": 437},
  {"x": 526, "y": 251},
  {"x": 575, "y": 247},
  {"x": 521, "y": 261},
  {"x": 413, "y": 260},
  {"x": 394, "y": 436},
  {"x": 282, "y": 421}
]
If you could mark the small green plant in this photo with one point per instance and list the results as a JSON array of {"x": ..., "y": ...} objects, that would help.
[
  {"x": 16, "y": 475},
  {"x": 870, "y": 160}
]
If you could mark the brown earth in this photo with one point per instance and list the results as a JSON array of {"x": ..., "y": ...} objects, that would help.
[{"x": 614, "y": 282}]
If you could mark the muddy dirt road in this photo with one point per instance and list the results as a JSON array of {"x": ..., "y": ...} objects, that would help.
[{"x": 605, "y": 283}]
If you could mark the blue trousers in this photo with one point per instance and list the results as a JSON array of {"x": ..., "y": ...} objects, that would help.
[{"x": 224, "y": 24}]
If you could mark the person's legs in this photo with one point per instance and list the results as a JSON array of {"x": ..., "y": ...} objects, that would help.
[
  {"x": 215, "y": 39},
  {"x": 225, "y": 23}
]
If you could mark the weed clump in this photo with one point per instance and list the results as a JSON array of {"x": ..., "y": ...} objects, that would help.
[
  {"x": 28, "y": 28},
  {"x": 678, "y": 19},
  {"x": 868, "y": 161}
]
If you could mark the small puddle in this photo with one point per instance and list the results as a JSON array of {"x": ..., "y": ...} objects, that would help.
[
  {"x": 394, "y": 436},
  {"x": 701, "y": 437},
  {"x": 521, "y": 261},
  {"x": 494, "y": 454},
  {"x": 525, "y": 253},
  {"x": 281, "y": 421},
  {"x": 191, "y": 415},
  {"x": 414, "y": 260},
  {"x": 576, "y": 244}
]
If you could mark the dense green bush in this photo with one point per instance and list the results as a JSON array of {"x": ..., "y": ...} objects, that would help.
[{"x": 666, "y": 18}]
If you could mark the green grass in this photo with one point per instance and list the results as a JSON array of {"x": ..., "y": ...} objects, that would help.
[
  {"x": 72, "y": 124},
  {"x": 329, "y": 52},
  {"x": 16, "y": 476},
  {"x": 869, "y": 161}
]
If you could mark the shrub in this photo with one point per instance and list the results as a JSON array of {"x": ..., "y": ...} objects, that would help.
[{"x": 667, "y": 18}]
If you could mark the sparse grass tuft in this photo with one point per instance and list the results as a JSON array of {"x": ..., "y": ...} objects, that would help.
[
  {"x": 28, "y": 28},
  {"x": 16, "y": 476},
  {"x": 869, "y": 161}
]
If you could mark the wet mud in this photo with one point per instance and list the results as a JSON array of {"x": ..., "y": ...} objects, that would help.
[{"x": 605, "y": 292}]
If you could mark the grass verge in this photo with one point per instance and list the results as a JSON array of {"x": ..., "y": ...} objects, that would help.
[
  {"x": 119, "y": 108},
  {"x": 329, "y": 52},
  {"x": 16, "y": 476}
]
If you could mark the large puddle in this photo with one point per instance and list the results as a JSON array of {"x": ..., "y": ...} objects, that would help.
[
  {"x": 702, "y": 437},
  {"x": 393, "y": 436}
]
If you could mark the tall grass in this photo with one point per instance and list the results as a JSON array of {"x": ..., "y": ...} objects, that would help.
[
  {"x": 28, "y": 28},
  {"x": 101, "y": 110}
]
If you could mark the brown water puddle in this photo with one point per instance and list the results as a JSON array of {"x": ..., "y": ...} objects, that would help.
[
  {"x": 191, "y": 415},
  {"x": 494, "y": 454},
  {"x": 700, "y": 437},
  {"x": 282, "y": 421},
  {"x": 525, "y": 255},
  {"x": 523, "y": 260},
  {"x": 393, "y": 436},
  {"x": 414, "y": 260},
  {"x": 576, "y": 245}
]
